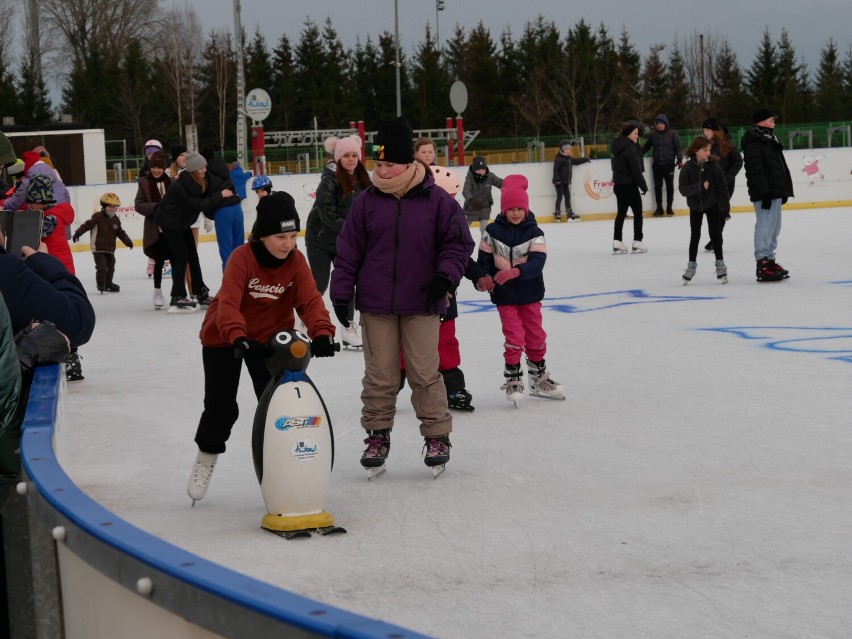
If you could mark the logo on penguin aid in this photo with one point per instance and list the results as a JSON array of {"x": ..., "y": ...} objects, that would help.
[
  {"x": 598, "y": 185},
  {"x": 305, "y": 450},
  {"x": 285, "y": 422}
]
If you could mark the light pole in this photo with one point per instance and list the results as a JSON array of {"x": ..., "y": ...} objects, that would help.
[
  {"x": 396, "y": 61},
  {"x": 241, "y": 89},
  {"x": 439, "y": 6}
]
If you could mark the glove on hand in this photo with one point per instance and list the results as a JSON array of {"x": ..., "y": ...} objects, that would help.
[
  {"x": 323, "y": 346},
  {"x": 251, "y": 349},
  {"x": 556, "y": 182},
  {"x": 208, "y": 225},
  {"x": 766, "y": 205},
  {"x": 436, "y": 289},
  {"x": 643, "y": 192},
  {"x": 509, "y": 274},
  {"x": 485, "y": 283},
  {"x": 341, "y": 311},
  {"x": 75, "y": 238}
]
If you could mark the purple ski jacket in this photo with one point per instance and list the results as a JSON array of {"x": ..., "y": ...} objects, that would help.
[{"x": 389, "y": 249}]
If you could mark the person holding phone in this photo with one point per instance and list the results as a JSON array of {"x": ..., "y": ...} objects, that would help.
[{"x": 39, "y": 196}]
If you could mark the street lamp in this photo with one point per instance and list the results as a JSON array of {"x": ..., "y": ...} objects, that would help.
[
  {"x": 396, "y": 61},
  {"x": 439, "y": 6}
]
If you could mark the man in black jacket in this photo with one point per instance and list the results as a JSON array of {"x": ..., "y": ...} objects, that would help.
[
  {"x": 769, "y": 185},
  {"x": 667, "y": 153}
]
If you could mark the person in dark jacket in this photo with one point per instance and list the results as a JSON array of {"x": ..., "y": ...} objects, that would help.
[
  {"x": 513, "y": 252},
  {"x": 335, "y": 193},
  {"x": 405, "y": 243},
  {"x": 769, "y": 186},
  {"x": 563, "y": 167},
  {"x": 227, "y": 215},
  {"x": 702, "y": 182},
  {"x": 177, "y": 211},
  {"x": 151, "y": 189},
  {"x": 666, "y": 154},
  {"x": 105, "y": 230},
  {"x": 478, "y": 198},
  {"x": 730, "y": 160},
  {"x": 628, "y": 182}
]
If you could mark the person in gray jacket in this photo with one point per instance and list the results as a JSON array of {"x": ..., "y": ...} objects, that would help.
[
  {"x": 477, "y": 192},
  {"x": 667, "y": 153}
]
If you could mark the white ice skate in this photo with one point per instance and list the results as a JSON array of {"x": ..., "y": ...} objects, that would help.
[
  {"x": 202, "y": 470},
  {"x": 182, "y": 305},
  {"x": 514, "y": 387},
  {"x": 689, "y": 273},
  {"x": 159, "y": 300},
  {"x": 639, "y": 247},
  {"x": 721, "y": 272},
  {"x": 350, "y": 338},
  {"x": 619, "y": 247},
  {"x": 542, "y": 384}
]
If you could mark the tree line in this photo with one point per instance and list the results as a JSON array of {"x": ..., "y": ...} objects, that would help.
[{"x": 142, "y": 70}]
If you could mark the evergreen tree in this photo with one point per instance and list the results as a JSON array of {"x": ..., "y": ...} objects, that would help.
[
  {"x": 575, "y": 83},
  {"x": 88, "y": 94},
  {"x": 336, "y": 108},
  {"x": 727, "y": 99},
  {"x": 830, "y": 98},
  {"x": 601, "y": 115},
  {"x": 257, "y": 65},
  {"x": 682, "y": 109},
  {"x": 33, "y": 102},
  {"x": 540, "y": 52},
  {"x": 282, "y": 88},
  {"x": 134, "y": 95},
  {"x": 762, "y": 76},
  {"x": 504, "y": 115},
  {"x": 361, "y": 83},
  {"x": 431, "y": 86},
  {"x": 217, "y": 99},
  {"x": 655, "y": 83},
  {"x": 308, "y": 75},
  {"x": 847, "y": 76},
  {"x": 479, "y": 71},
  {"x": 628, "y": 92},
  {"x": 793, "y": 86},
  {"x": 385, "y": 81}
]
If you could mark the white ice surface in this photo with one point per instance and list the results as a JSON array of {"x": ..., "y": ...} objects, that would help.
[{"x": 694, "y": 484}]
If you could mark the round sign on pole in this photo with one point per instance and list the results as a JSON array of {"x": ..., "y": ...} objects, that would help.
[
  {"x": 458, "y": 97},
  {"x": 258, "y": 105}
]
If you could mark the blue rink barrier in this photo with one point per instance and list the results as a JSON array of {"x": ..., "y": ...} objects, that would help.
[{"x": 95, "y": 575}]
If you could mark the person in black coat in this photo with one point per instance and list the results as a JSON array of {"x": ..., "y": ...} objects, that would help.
[
  {"x": 730, "y": 160},
  {"x": 628, "y": 182},
  {"x": 665, "y": 147},
  {"x": 563, "y": 167},
  {"x": 769, "y": 186}
]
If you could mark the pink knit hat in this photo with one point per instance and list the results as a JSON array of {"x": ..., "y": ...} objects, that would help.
[
  {"x": 513, "y": 194},
  {"x": 342, "y": 146}
]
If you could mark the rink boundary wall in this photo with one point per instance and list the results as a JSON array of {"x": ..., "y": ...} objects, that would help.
[
  {"x": 95, "y": 575},
  {"x": 591, "y": 191}
]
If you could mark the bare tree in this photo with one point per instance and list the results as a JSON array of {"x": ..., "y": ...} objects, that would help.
[
  {"x": 180, "y": 43},
  {"x": 219, "y": 59},
  {"x": 536, "y": 105},
  {"x": 7, "y": 10},
  {"x": 699, "y": 69}
]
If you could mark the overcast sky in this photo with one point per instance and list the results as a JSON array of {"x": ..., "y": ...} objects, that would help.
[{"x": 809, "y": 24}]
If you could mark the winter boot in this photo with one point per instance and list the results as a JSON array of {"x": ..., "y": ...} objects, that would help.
[
  {"x": 351, "y": 339},
  {"x": 73, "y": 368},
  {"x": 436, "y": 450},
  {"x": 159, "y": 301},
  {"x": 541, "y": 383},
  {"x": 202, "y": 470},
  {"x": 721, "y": 271},
  {"x": 557, "y": 216},
  {"x": 689, "y": 273},
  {"x": 669, "y": 210},
  {"x": 572, "y": 216},
  {"x": 766, "y": 272},
  {"x": 639, "y": 247},
  {"x": 378, "y": 447},
  {"x": 112, "y": 288},
  {"x": 618, "y": 247},
  {"x": 514, "y": 387},
  {"x": 658, "y": 212}
]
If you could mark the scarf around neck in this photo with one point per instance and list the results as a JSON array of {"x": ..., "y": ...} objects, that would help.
[
  {"x": 401, "y": 184},
  {"x": 766, "y": 133}
]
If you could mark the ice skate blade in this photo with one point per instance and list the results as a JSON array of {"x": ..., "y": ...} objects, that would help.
[
  {"x": 437, "y": 470},
  {"x": 686, "y": 281},
  {"x": 542, "y": 396},
  {"x": 350, "y": 347},
  {"x": 618, "y": 252},
  {"x": 377, "y": 471},
  {"x": 723, "y": 280},
  {"x": 516, "y": 403},
  {"x": 463, "y": 409},
  {"x": 178, "y": 310},
  {"x": 637, "y": 251}
]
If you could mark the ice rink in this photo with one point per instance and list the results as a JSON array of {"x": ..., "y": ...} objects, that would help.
[{"x": 696, "y": 482}]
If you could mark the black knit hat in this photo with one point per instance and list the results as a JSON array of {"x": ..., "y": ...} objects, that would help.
[
  {"x": 394, "y": 142},
  {"x": 276, "y": 213},
  {"x": 762, "y": 114},
  {"x": 629, "y": 128},
  {"x": 712, "y": 124}
]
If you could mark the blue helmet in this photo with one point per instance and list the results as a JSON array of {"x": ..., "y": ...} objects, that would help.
[{"x": 261, "y": 182}]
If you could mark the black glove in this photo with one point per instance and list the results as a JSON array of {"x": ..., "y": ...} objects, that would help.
[
  {"x": 783, "y": 200},
  {"x": 436, "y": 289},
  {"x": 341, "y": 311},
  {"x": 245, "y": 348},
  {"x": 323, "y": 346},
  {"x": 643, "y": 192},
  {"x": 766, "y": 205},
  {"x": 75, "y": 238}
]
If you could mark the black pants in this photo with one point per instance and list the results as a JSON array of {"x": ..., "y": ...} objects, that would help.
[
  {"x": 183, "y": 252},
  {"x": 563, "y": 189},
  {"x": 663, "y": 172},
  {"x": 104, "y": 268},
  {"x": 320, "y": 262},
  {"x": 221, "y": 382},
  {"x": 714, "y": 226},
  {"x": 627, "y": 197}
]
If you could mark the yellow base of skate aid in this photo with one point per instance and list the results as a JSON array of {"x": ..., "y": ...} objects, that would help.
[{"x": 283, "y": 523}]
